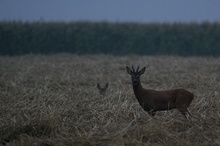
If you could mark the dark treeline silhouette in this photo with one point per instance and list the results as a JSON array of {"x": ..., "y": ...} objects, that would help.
[{"x": 18, "y": 38}]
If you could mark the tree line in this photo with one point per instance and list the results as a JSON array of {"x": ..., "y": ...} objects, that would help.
[{"x": 191, "y": 39}]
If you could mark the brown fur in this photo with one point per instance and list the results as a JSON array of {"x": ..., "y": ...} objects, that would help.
[
  {"x": 152, "y": 101},
  {"x": 102, "y": 90}
]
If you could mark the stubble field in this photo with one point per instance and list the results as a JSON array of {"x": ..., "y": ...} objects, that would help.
[{"x": 53, "y": 101}]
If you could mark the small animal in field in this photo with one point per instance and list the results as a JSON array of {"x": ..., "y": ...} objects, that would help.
[
  {"x": 102, "y": 90},
  {"x": 152, "y": 101}
]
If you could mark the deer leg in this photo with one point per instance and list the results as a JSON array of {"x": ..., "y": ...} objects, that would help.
[
  {"x": 152, "y": 113},
  {"x": 185, "y": 112},
  {"x": 188, "y": 112},
  {"x": 149, "y": 110},
  {"x": 186, "y": 115}
]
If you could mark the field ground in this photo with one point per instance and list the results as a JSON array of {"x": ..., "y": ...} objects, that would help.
[{"x": 53, "y": 101}]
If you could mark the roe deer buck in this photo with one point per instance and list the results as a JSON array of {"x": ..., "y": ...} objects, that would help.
[
  {"x": 152, "y": 101},
  {"x": 102, "y": 90}
]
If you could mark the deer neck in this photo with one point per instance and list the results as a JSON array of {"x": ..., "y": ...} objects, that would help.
[{"x": 138, "y": 91}]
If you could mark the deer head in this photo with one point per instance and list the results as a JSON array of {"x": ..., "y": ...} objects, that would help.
[
  {"x": 102, "y": 90},
  {"x": 135, "y": 75}
]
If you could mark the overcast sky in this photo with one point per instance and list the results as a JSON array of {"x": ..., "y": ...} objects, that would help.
[{"x": 143, "y": 11}]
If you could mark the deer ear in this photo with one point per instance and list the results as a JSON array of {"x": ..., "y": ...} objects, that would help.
[
  {"x": 142, "y": 71},
  {"x": 106, "y": 85},
  {"x": 129, "y": 70},
  {"x": 98, "y": 86}
]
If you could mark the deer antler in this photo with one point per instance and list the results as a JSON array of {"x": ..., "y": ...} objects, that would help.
[
  {"x": 133, "y": 68},
  {"x": 137, "y": 68}
]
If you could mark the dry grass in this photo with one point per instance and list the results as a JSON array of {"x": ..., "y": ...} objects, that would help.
[{"x": 53, "y": 100}]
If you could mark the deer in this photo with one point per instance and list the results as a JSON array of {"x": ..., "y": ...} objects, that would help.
[
  {"x": 152, "y": 101},
  {"x": 102, "y": 90}
]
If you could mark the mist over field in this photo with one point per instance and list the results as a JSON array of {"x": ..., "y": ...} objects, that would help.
[{"x": 53, "y": 100}]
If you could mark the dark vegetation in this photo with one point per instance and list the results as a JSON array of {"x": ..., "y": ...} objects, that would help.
[{"x": 18, "y": 38}]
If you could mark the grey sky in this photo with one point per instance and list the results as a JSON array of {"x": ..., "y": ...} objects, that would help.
[{"x": 111, "y": 10}]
